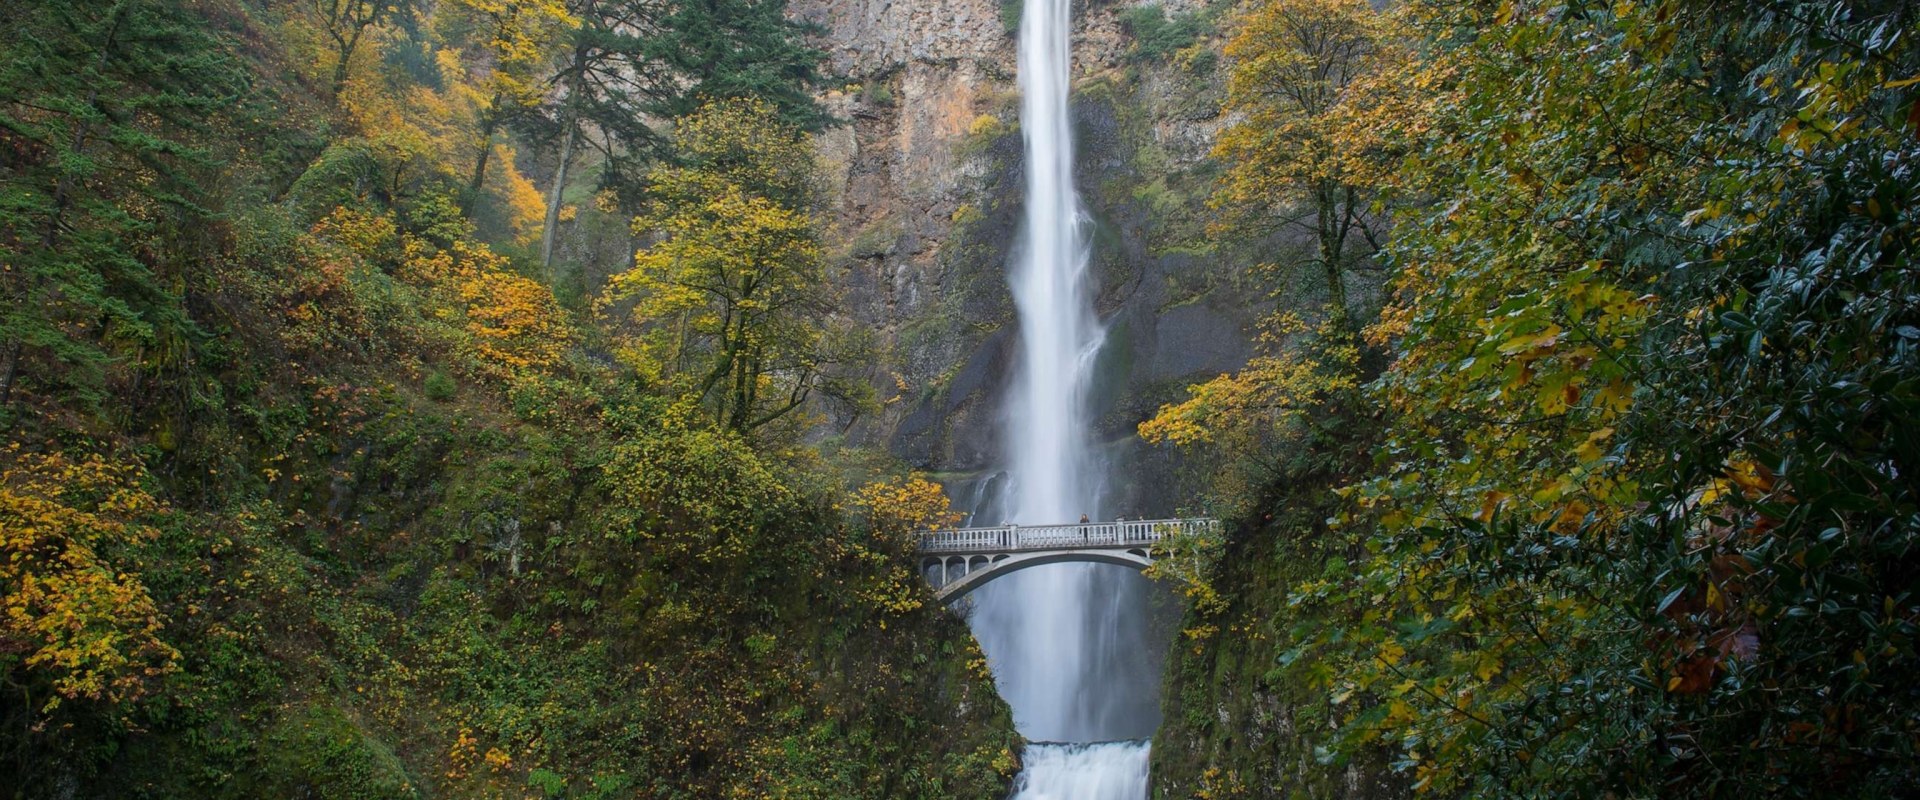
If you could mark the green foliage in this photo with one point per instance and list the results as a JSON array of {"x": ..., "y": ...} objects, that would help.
[
  {"x": 1244, "y": 705},
  {"x": 104, "y": 171},
  {"x": 735, "y": 50},
  {"x": 438, "y": 386},
  {"x": 700, "y": 493},
  {"x": 1616, "y": 544},
  {"x": 309, "y": 491},
  {"x": 1629, "y": 447},
  {"x": 1639, "y": 522},
  {"x": 318, "y": 751},
  {"x": 1158, "y": 35},
  {"x": 437, "y": 217},
  {"x": 732, "y": 306}
]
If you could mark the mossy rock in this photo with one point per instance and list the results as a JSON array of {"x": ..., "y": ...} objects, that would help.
[{"x": 320, "y": 752}]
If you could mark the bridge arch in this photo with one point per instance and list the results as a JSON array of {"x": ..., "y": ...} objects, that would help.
[{"x": 951, "y": 587}]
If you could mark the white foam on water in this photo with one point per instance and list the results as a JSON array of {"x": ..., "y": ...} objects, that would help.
[{"x": 1084, "y": 771}]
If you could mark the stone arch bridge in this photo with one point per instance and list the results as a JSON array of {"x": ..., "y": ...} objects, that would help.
[{"x": 958, "y": 561}]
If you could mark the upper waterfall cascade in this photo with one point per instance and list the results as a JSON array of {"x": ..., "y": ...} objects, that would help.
[{"x": 1067, "y": 642}]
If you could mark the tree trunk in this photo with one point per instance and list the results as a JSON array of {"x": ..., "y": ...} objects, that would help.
[
  {"x": 340, "y": 74},
  {"x": 737, "y": 416},
  {"x": 1332, "y": 237},
  {"x": 9, "y": 367},
  {"x": 479, "y": 180},
  {"x": 1337, "y": 293},
  {"x": 346, "y": 45},
  {"x": 553, "y": 200}
]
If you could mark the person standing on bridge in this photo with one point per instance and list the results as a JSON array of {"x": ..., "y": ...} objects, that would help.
[{"x": 1084, "y": 520}]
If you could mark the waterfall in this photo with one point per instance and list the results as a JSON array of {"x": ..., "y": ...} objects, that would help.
[
  {"x": 1051, "y": 463},
  {"x": 1066, "y": 642},
  {"x": 1074, "y": 771}
]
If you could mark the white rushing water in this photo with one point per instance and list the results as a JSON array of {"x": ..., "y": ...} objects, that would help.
[
  {"x": 1051, "y": 463},
  {"x": 1073, "y": 771},
  {"x": 1066, "y": 641}
]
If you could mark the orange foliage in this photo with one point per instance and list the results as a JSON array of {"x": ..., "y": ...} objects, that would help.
[
  {"x": 68, "y": 615},
  {"x": 513, "y": 323}
]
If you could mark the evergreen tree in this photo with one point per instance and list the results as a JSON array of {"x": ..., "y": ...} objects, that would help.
[
  {"x": 631, "y": 62},
  {"x": 605, "y": 81},
  {"x": 737, "y": 49},
  {"x": 99, "y": 104}
]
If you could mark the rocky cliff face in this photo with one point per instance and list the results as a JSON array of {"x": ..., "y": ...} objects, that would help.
[{"x": 927, "y": 184}]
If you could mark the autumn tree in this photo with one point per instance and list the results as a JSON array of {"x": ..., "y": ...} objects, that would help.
[
  {"x": 513, "y": 322},
  {"x": 895, "y": 511},
  {"x": 77, "y": 624},
  {"x": 346, "y": 23},
  {"x": 512, "y": 47},
  {"x": 1326, "y": 101},
  {"x": 1640, "y": 524},
  {"x": 732, "y": 299},
  {"x": 1247, "y": 420},
  {"x": 1315, "y": 87},
  {"x": 898, "y": 508}
]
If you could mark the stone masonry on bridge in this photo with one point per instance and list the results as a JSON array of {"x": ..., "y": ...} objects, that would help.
[{"x": 958, "y": 561}]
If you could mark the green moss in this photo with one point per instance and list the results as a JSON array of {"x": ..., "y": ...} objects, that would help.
[
  {"x": 1245, "y": 711},
  {"x": 318, "y": 751},
  {"x": 875, "y": 240},
  {"x": 986, "y": 131}
]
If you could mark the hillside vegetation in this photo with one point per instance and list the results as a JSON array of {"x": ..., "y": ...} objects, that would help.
[
  {"x": 1614, "y": 496},
  {"x": 323, "y": 475},
  {"x": 432, "y": 398}
]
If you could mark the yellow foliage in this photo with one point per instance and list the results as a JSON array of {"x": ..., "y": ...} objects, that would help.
[
  {"x": 514, "y": 322},
  {"x": 519, "y": 33},
  {"x": 462, "y": 755},
  {"x": 526, "y": 205},
  {"x": 903, "y": 507},
  {"x": 490, "y": 56},
  {"x": 369, "y": 236},
  {"x": 511, "y": 323},
  {"x": 79, "y": 621},
  {"x": 1324, "y": 103},
  {"x": 896, "y": 510},
  {"x": 1243, "y": 408},
  {"x": 730, "y": 301}
]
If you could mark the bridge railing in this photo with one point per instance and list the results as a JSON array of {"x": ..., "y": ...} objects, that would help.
[{"x": 1047, "y": 537}]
